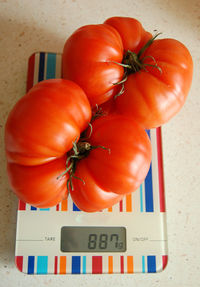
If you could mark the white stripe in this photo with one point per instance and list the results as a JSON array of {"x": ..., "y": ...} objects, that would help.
[
  {"x": 155, "y": 182},
  {"x": 25, "y": 264},
  {"x": 58, "y": 265},
  {"x": 104, "y": 263},
  {"x": 116, "y": 263},
  {"x": 124, "y": 204},
  {"x": 58, "y": 65},
  {"x": 70, "y": 204},
  {"x": 136, "y": 201},
  {"x": 45, "y": 66},
  {"x": 51, "y": 261},
  {"x": 125, "y": 264},
  {"x": 159, "y": 264}
]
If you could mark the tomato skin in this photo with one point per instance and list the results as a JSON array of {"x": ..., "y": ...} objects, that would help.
[
  {"x": 43, "y": 124},
  {"x": 40, "y": 130},
  {"x": 90, "y": 196},
  {"x": 88, "y": 59},
  {"x": 133, "y": 35},
  {"x": 108, "y": 176},
  {"x": 38, "y": 185},
  {"x": 153, "y": 97}
]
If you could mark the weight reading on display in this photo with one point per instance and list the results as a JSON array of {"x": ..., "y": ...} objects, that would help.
[{"x": 93, "y": 239}]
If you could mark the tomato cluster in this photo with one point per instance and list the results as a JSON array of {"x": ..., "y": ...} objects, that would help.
[{"x": 54, "y": 141}]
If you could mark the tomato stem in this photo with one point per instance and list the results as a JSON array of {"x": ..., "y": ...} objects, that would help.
[
  {"x": 133, "y": 63},
  {"x": 97, "y": 113},
  {"x": 147, "y": 44},
  {"x": 79, "y": 151}
]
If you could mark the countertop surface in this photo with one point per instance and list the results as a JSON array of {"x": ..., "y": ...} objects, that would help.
[{"x": 30, "y": 26}]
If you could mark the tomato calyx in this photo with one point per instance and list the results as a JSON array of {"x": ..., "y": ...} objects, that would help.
[
  {"x": 133, "y": 63},
  {"x": 79, "y": 151},
  {"x": 97, "y": 112}
]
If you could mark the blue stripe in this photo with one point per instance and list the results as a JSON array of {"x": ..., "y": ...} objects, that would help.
[
  {"x": 76, "y": 264},
  {"x": 33, "y": 208},
  {"x": 42, "y": 264},
  {"x": 44, "y": 209},
  {"x": 149, "y": 191},
  {"x": 141, "y": 199},
  {"x": 41, "y": 67},
  {"x": 143, "y": 264},
  {"x": 84, "y": 264},
  {"x": 148, "y": 132},
  {"x": 151, "y": 264},
  {"x": 31, "y": 263},
  {"x": 75, "y": 208},
  {"x": 149, "y": 187},
  {"x": 51, "y": 66}
]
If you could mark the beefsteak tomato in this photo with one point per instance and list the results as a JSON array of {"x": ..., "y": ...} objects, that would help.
[
  {"x": 109, "y": 174},
  {"x": 40, "y": 130},
  {"x": 159, "y": 74},
  {"x": 89, "y": 58},
  {"x": 46, "y": 156}
]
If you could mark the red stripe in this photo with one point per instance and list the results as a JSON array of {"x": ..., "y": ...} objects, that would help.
[
  {"x": 21, "y": 205},
  {"x": 19, "y": 262},
  {"x": 97, "y": 264},
  {"x": 164, "y": 261},
  {"x": 122, "y": 263},
  {"x": 121, "y": 206},
  {"x": 56, "y": 265},
  {"x": 30, "y": 74},
  {"x": 160, "y": 170},
  {"x": 57, "y": 207}
]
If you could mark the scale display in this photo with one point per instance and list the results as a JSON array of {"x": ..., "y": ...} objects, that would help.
[
  {"x": 129, "y": 237},
  {"x": 93, "y": 239}
]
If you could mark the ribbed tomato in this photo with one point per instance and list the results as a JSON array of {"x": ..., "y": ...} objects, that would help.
[
  {"x": 89, "y": 58},
  {"x": 157, "y": 73},
  {"x": 109, "y": 174},
  {"x": 40, "y": 130},
  {"x": 47, "y": 154},
  {"x": 155, "y": 91}
]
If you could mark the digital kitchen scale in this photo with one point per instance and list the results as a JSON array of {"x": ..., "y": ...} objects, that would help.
[{"x": 130, "y": 237}]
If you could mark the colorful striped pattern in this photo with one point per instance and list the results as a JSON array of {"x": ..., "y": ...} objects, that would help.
[
  {"x": 149, "y": 198},
  {"x": 78, "y": 264}
]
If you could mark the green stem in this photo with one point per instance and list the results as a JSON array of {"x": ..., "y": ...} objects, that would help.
[
  {"x": 79, "y": 151},
  {"x": 147, "y": 45},
  {"x": 133, "y": 63}
]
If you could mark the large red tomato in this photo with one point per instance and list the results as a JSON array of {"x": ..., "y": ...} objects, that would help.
[
  {"x": 158, "y": 76},
  {"x": 42, "y": 139},
  {"x": 88, "y": 59},
  {"x": 91, "y": 52},
  {"x": 40, "y": 130},
  {"x": 109, "y": 174},
  {"x": 156, "y": 91}
]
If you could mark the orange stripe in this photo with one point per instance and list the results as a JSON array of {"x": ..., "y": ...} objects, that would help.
[
  {"x": 129, "y": 264},
  {"x": 110, "y": 209},
  {"x": 110, "y": 264},
  {"x": 63, "y": 262},
  {"x": 129, "y": 202},
  {"x": 64, "y": 205}
]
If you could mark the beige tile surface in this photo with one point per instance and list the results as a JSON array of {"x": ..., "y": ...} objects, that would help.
[{"x": 28, "y": 26}]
